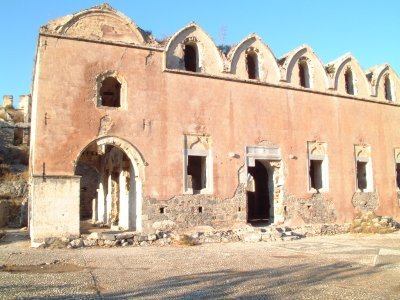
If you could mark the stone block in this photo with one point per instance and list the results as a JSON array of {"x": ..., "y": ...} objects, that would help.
[
  {"x": 110, "y": 243},
  {"x": 124, "y": 235},
  {"x": 166, "y": 225},
  {"x": 251, "y": 237},
  {"x": 265, "y": 237},
  {"x": 90, "y": 243},
  {"x": 108, "y": 236},
  {"x": 151, "y": 237},
  {"x": 77, "y": 243},
  {"x": 95, "y": 236},
  {"x": 141, "y": 238}
]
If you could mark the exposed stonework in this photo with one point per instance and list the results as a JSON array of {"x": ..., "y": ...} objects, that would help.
[
  {"x": 14, "y": 159},
  {"x": 4, "y": 207},
  {"x": 369, "y": 222},
  {"x": 365, "y": 201},
  {"x": 318, "y": 209},
  {"x": 193, "y": 210}
]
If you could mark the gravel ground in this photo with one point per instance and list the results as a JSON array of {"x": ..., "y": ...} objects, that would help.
[{"x": 335, "y": 267}]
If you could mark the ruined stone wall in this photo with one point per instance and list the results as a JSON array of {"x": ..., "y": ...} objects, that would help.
[{"x": 195, "y": 210}]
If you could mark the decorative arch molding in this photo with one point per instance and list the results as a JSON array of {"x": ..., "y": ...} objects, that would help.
[
  {"x": 137, "y": 159},
  {"x": 339, "y": 67},
  {"x": 377, "y": 76},
  {"x": 99, "y": 22},
  {"x": 210, "y": 60},
  {"x": 289, "y": 62},
  {"x": 268, "y": 67}
]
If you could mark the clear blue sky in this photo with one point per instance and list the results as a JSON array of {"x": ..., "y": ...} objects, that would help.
[{"x": 370, "y": 29}]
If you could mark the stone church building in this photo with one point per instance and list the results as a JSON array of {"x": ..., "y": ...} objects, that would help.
[{"x": 129, "y": 131}]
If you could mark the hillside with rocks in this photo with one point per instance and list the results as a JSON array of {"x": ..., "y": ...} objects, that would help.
[{"x": 14, "y": 161}]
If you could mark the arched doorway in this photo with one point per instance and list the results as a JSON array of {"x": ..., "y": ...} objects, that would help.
[{"x": 117, "y": 202}]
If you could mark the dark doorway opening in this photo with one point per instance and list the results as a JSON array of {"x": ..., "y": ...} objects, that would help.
[
  {"x": 190, "y": 58},
  {"x": 398, "y": 176},
  {"x": 362, "y": 175},
  {"x": 251, "y": 59},
  {"x": 196, "y": 170},
  {"x": 258, "y": 200},
  {"x": 316, "y": 174}
]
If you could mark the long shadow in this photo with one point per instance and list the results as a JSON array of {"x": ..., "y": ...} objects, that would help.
[
  {"x": 268, "y": 283},
  {"x": 13, "y": 237}
]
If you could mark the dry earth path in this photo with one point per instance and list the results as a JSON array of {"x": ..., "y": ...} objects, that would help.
[{"x": 334, "y": 267}]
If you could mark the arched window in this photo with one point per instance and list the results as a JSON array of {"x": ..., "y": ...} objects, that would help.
[
  {"x": 110, "y": 92},
  {"x": 190, "y": 57},
  {"x": 304, "y": 75},
  {"x": 388, "y": 89},
  {"x": 349, "y": 82},
  {"x": 252, "y": 65}
]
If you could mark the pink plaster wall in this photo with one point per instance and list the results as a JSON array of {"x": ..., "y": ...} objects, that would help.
[{"x": 234, "y": 114}]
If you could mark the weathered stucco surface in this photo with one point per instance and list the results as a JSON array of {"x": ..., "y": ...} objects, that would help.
[
  {"x": 54, "y": 207},
  {"x": 164, "y": 103}
]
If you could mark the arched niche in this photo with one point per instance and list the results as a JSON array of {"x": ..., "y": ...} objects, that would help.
[
  {"x": 208, "y": 58},
  {"x": 291, "y": 65},
  {"x": 268, "y": 70},
  {"x": 385, "y": 83},
  {"x": 342, "y": 66},
  {"x": 99, "y": 22}
]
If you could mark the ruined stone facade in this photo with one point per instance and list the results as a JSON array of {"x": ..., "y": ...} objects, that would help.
[
  {"x": 14, "y": 159},
  {"x": 182, "y": 134}
]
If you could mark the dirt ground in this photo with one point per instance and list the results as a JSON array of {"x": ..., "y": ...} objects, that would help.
[{"x": 332, "y": 267}]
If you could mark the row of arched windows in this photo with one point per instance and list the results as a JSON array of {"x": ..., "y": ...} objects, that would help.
[
  {"x": 251, "y": 59},
  {"x": 191, "y": 61}
]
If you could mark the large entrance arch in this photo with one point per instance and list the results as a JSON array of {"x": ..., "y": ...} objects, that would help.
[{"x": 118, "y": 201}]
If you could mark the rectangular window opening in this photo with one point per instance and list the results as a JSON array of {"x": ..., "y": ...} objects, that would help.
[
  {"x": 398, "y": 176},
  {"x": 316, "y": 174},
  {"x": 196, "y": 173},
  {"x": 362, "y": 183}
]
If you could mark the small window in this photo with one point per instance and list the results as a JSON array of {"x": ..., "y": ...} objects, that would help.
[
  {"x": 110, "y": 92},
  {"x": 190, "y": 58},
  {"x": 316, "y": 174},
  {"x": 304, "y": 76},
  {"x": 197, "y": 164},
  {"x": 349, "y": 82},
  {"x": 398, "y": 176},
  {"x": 388, "y": 89},
  {"x": 362, "y": 182},
  {"x": 252, "y": 65},
  {"x": 196, "y": 173},
  {"x": 363, "y": 166}
]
